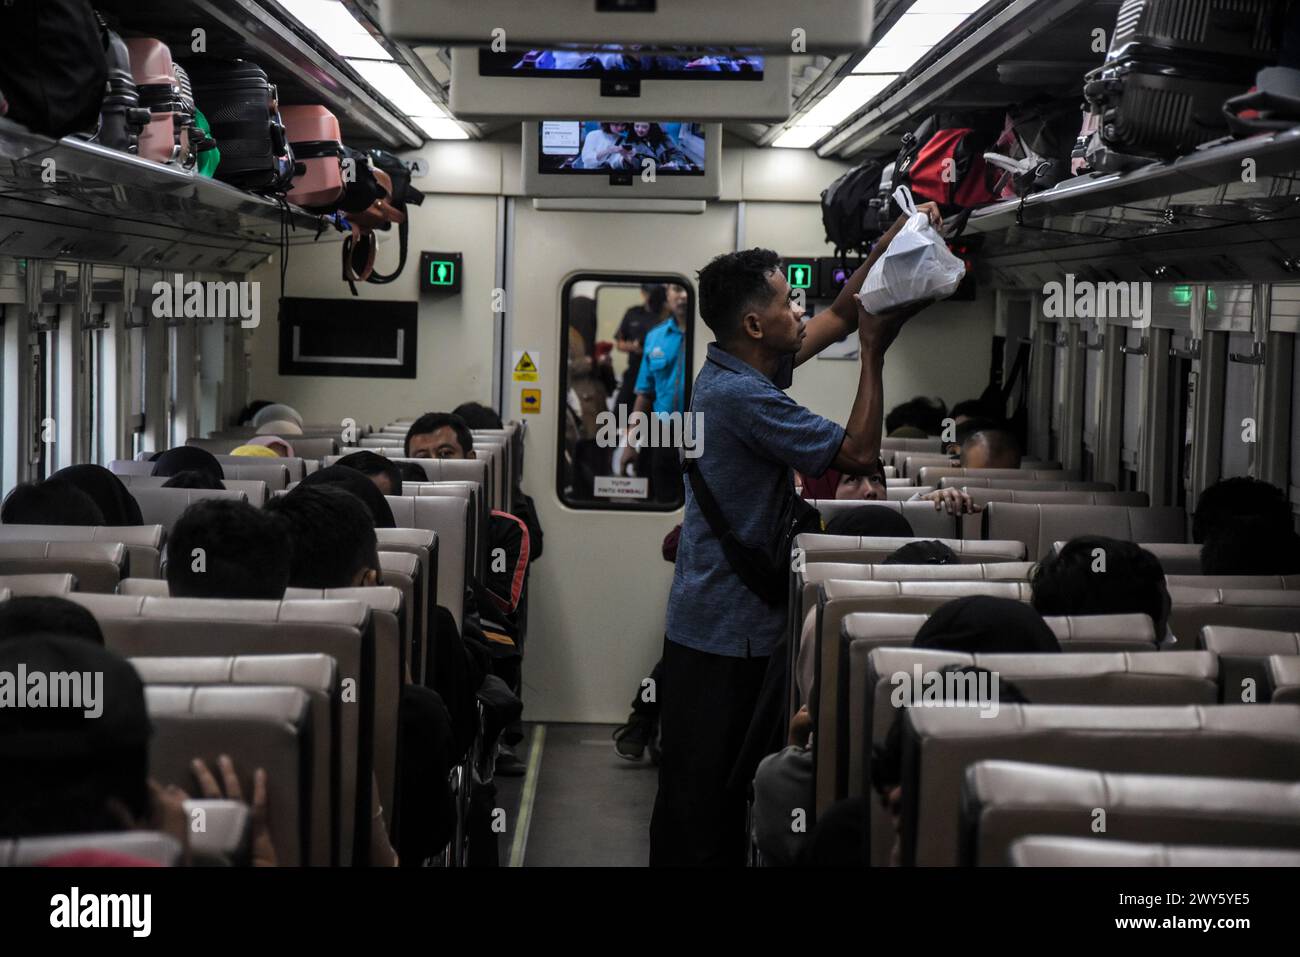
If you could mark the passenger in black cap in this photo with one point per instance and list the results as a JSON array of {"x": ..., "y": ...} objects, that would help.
[
  {"x": 52, "y": 502},
  {"x": 27, "y": 615},
  {"x": 107, "y": 491},
  {"x": 186, "y": 457},
  {"x": 350, "y": 480}
]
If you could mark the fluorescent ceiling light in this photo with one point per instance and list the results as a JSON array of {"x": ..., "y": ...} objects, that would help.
[
  {"x": 396, "y": 84},
  {"x": 891, "y": 59},
  {"x": 852, "y": 93},
  {"x": 441, "y": 128},
  {"x": 337, "y": 27},
  {"x": 964, "y": 7},
  {"x": 800, "y": 137},
  {"x": 921, "y": 29}
]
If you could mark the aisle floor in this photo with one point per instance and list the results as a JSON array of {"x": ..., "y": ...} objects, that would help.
[{"x": 581, "y": 805}]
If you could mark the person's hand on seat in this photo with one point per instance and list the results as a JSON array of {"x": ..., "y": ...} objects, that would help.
[
  {"x": 262, "y": 848},
  {"x": 957, "y": 501}
]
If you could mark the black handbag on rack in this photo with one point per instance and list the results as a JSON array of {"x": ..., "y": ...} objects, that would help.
[{"x": 53, "y": 67}]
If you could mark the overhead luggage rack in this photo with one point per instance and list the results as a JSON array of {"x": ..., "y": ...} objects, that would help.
[
  {"x": 1195, "y": 217},
  {"x": 98, "y": 203}
]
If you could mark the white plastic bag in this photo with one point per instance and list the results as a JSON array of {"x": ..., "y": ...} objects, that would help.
[{"x": 917, "y": 266}]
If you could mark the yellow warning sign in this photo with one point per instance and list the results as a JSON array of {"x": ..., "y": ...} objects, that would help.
[
  {"x": 525, "y": 368},
  {"x": 530, "y": 400}
]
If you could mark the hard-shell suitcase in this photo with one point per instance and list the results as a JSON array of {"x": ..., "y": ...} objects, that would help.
[
  {"x": 314, "y": 136},
  {"x": 151, "y": 67},
  {"x": 197, "y": 143},
  {"x": 1234, "y": 34},
  {"x": 242, "y": 109}
]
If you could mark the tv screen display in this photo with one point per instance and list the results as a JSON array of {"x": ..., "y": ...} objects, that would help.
[
  {"x": 623, "y": 62},
  {"x": 587, "y": 146}
]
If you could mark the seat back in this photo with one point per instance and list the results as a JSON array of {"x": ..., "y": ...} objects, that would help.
[
  {"x": 46, "y": 583},
  {"x": 934, "y": 474},
  {"x": 925, "y": 521},
  {"x": 155, "y": 846},
  {"x": 163, "y": 506},
  {"x": 1103, "y": 852},
  {"x": 258, "y": 726},
  {"x": 422, "y": 545},
  {"x": 449, "y": 518},
  {"x": 317, "y": 675},
  {"x": 144, "y": 543},
  {"x": 972, "y": 525},
  {"x": 1003, "y": 801},
  {"x": 1244, "y": 655},
  {"x": 295, "y": 468},
  {"x": 479, "y": 513},
  {"x": 903, "y": 493},
  {"x": 1284, "y": 678},
  {"x": 932, "y": 444},
  {"x": 1194, "y": 608},
  {"x": 879, "y": 681},
  {"x": 255, "y": 489},
  {"x": 96, "y": 566},
  {"x": 1041, "y": 526},
  {"x": 199, "y": 627},
  {"x": 972, "y": 480},
  {"x": 870, "y": 549},
  {"x": 1230, "y": 741}
]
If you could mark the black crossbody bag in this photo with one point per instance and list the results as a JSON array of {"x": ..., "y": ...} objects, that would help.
[{"x": 764, "y": 571}]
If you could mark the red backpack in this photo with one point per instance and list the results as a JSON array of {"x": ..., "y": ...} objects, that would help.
[{"x": 943, "y": 162}]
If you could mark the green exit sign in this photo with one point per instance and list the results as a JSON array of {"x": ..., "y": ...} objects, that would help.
[
  {"x": 440, "y": 272},
  {"x": 799, "y": 275}
]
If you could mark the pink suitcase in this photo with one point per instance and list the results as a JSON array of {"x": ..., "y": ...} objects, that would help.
[
  {"x": 151, "y": 68},
  {"x": 313, "y": 134}
]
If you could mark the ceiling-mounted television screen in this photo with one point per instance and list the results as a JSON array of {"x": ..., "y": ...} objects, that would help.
[
  {"x": 541, "y": 83},
  {"x": 636, "y": 159},
  {"x": 819, "y": 26},
  {"x": 593, "y": 147},
  {"x": 627, "y": 62}
]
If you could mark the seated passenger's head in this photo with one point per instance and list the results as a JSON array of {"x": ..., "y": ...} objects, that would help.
[
  {"x": 873, "y": 521},
  {"x": 411, "y": 472},
  {"x": 966, "y": 410},
  {"x": 1228, "y": 501},
  {"x": 1093, "y": 575},
  {"x": 358, "y": 485},
  {"x": 279, "y": 446},
  {"x": 990, "y": 449},
  {"x": 185, "y": 458},
  {"x": 82, "y": 766},
  {"x": 278, "y": 427},
  {"x": 439, "y": 435},
  {"x": 332, "y": 535},
  {"x": 193, "y": 478},
  {"x": 922, "y": 414},
  {"x": 985, "y": 625},
  {"x": 251, "y": 451},
  {"x": 747, "y": 303},
  {"x": 52, "y": 502},
  {"x": 965, "y": 430},
  {"x": 380, "y": 469},
  {"x": 223, "y": 548},
  {"x": 276, "y": 412},
  {"x": 106, "y": 490},
  {"x": 869, "y": 486},
  {"x": 923, "y": 553},
  {"x": 1252, "y": 545},
  {"x": 478, "y": 416},
  {"x": 26, "y": 615}
]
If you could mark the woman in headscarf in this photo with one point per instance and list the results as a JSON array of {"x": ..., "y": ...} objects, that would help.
[
  {"x": 359, "y": 485},
  {"x": 279, "y": 446},
  {"x": 107, "y": 492},
  {"x": 184, "y": 458},
  {"x": 279, "y": 427},
  {"x": 255, "y": 451},
  {"x": 276, "y": 411}
]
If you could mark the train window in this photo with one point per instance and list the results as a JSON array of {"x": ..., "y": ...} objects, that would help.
[
  {"x": 1238, "y": 406},
  {"x": 1295, "y": 425},
  {"x": 1133, "y": 407},
  {"x": 625, "y": 377}
]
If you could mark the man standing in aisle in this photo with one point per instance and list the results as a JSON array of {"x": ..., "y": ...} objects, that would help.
[{"x": 720, "y": 633}]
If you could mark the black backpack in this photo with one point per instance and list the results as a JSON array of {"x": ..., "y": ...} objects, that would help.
[
  {"x": 404, "y": 194},
  {"x": 850, "y": 222},
  {"x": 53, "y": 69}
]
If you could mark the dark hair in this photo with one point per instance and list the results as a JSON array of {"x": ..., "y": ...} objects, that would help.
[
  {"x": 25, "y": 615},
  {"x": 194, "y": 478},
  {"x": 968, "y": 428},
  {"x": 411, "y": 472},
  {"x": 731, "y": 285},
  {"x": 1133, "y": 581},
  {"x": 921, "y": 412},
  {"x": 923, "y": 553},
  {"x": 984, "y": 624},
  {"x": 655, "y": 299},
  {"x": 478, "y": 416},
  {"x": 64, "y": 769},
  {"x": 359, "y": 486},
  {"x": 245, "y": 552},
  {"x": 870, "y": 520},
  {"x": 332, "y": 533},
  {"x": 1253, "y": 545},
  {"x": 432, "y": 422},
  {"x": 52, "y": 502},
  {"x": 106, "y": 490},
  {"x": 974, "y": 408},
  {"x": 372, "y": 463},
  {"x": 246, "y": 414},
  {"x": 1001, "y": 443},
  {"x": 1228, "y": 500},
  {"x": 184, "y": 458}
]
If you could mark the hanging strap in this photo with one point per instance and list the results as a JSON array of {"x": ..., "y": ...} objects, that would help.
[
  {"x": 903, "y": 197},
  {"x": 1017, "y": 367},
  {"x": 379, "y": 278}
]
